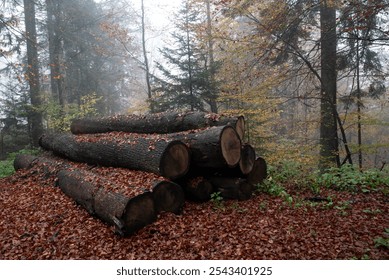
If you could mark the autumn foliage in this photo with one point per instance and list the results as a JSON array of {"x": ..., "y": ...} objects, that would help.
[{"x": 38, "y": 221}]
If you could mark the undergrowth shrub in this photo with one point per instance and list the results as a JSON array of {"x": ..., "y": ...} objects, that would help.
[
  {"x": 349, "y": 178},
  {"x": 345, "y": 178}
]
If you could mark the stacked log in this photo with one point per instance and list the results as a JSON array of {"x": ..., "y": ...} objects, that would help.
[
  {"x": 128, "y": 208},
  {"x": 158, "y": 155},
  {"x": 126, "y": 214},
  {"x": 161, "y": 123},
  {"x": 194, "y": 154}
]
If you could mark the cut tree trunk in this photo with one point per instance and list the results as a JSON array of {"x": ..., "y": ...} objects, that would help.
[
  {"x": 232, "y": 188},
  {"x": 47, "y": 166},
  {"x": 127, "y": 214},
  {"x": 167, "y": 122},
  {"x": 244, "y": 167},
  {"x": 166, "y": 158},
  {"x": 258, "y": 173},
  {"x": 247, "y": 159},
  {"x": 196, "y": 188},
  {"x": 214, "y": 147},
  {"x": 168, "y": 197},
  {"x": 24, "y": 161}
]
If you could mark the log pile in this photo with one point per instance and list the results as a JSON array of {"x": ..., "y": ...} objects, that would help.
[{"x": 125, "y": 170}]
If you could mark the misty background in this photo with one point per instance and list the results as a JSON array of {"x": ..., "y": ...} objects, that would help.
[{"x": 310, "y": 77}]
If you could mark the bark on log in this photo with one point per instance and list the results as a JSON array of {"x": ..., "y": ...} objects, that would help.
[
  {"x": 232, "y": 188},
  {"x": 214, "y": 147},
  {"x": 47, "y": 166},
  {"x": 196, "y": 188},
  {"x": 168, "y": 197},
  {"x": 167, "y": 122},
  {"x": 126, "y": 214},
  {"x": 258, "y": 173},
  {"x": 24, "y": 161},
  {"x": 166, "y": 158}
]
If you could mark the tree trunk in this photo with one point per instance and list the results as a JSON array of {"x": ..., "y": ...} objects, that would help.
[
  {"x": 24, "y": 161},
  {"x": 32, "y": 75},
  {"x": 168, "y": 122},
  {"x": 328, "y": 125},
  {"x": 160, "y": 156},
  {"x": 47, "y": 167},
  {"x": 212, "y": 65},
  {"x": 247, "y": 159},
  {"x": 145, "y": 58},
  {"x": 215, "y": 147},
  {"x": 54, "y": 25},
  {"x": 126, "y": 214},
  {"x": 242, "y": 170},
  {"x": 168, "y": 197},
  {"x": 258, "y": 173},
  {"x": 232, "y": 188},
  {"x": 196, "y": 188}
]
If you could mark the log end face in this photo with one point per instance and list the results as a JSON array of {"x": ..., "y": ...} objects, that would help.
[
  {"x": 198, "y": 189},
  {"x": 247, "y": 160},
  {"x": 258, "y": 173},
  {"x": 138, "y": 213},
  {"x": 175, "y": 160},
  {"x": 231, "y": 146},
  {"x": 168, "y": 197}
]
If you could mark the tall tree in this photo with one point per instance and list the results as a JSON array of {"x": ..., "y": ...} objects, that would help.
[
  {"x": 186, "y": 82},
  {"x": 145, "y": 56},
  {"x": 212, "y": 65},
  {"x": 55, "y": 36},
  {"x": 329, "y": 150},
  {"x": 32, "y": 72}
]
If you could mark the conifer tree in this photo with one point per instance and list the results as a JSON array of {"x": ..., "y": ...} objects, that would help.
[{"x": 186, "y": 82}]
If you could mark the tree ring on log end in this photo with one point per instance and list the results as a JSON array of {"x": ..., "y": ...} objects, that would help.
[
  {"x": 175, "y": 160},
  {"x": 230, "y": 145},
  {"x": 247, "y": 159},
  {"x": 168, "y": 197},
  {"x": 139, "y": 212}
]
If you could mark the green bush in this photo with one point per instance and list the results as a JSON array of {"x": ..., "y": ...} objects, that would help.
[
  {"x": 6, "y": 168},
  {"x": 349, "y": 178}
]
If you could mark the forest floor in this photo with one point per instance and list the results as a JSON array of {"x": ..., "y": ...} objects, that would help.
[{"x": 37, "y": 221}]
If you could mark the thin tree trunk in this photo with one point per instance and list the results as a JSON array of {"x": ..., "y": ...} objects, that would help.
[
  {"x": 329, "y": 153},
  {"x": 146, "y": 61},
  {"x": 55, "y": 50},
  {"x": 213, "y": 95},
  {"x": 33, "y": 74},
  {"x": 359, "y": 104}
]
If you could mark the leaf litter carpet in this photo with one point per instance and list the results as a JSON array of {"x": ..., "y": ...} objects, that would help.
[{"x": 37, "y": 221}]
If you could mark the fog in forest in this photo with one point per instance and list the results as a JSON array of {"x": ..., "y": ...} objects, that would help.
[{"x": 310, "y": 78}]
